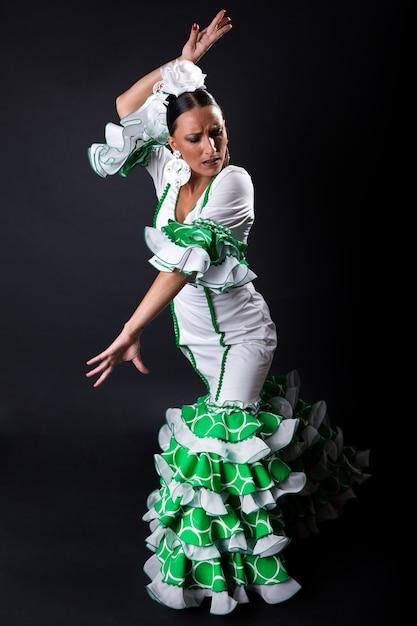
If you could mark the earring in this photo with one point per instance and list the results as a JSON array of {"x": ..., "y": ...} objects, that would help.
[{"x": 177, "y": 172}]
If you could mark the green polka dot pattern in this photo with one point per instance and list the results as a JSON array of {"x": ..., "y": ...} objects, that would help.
[
  {"x": 229, "y": 423},
  {"x": 220, "y": 525},
  {"x": 209, "y": 471}
]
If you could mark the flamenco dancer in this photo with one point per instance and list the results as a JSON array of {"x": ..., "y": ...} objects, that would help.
[{"x": 250, "y": 462}]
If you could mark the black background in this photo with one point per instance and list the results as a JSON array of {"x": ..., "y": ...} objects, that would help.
[{"x": 310, "y": 90}]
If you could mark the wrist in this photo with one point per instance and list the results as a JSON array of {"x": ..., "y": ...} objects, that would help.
[{"x": 133, "y": 332}]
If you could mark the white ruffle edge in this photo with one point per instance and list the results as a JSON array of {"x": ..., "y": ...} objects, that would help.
[
  {"x": 212, "y": 502},
  {"x": 147, "y": 123},
  {"x": 247, "y": 451},
  {"x": 194, "y": 260},
  {"x": 221, "y": 602},
  {"x": 262, "y": 547}
]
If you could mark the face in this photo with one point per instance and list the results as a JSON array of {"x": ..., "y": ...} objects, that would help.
[{"x": 201, "y": 137}]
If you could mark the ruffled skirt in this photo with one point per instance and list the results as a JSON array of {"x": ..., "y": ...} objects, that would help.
[{"x": 236, "y": 483}]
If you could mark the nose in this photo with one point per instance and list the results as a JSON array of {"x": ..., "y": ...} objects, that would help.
[{"x": 210, "y": 144}]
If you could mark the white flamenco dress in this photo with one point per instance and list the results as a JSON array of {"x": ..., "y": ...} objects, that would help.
[{"x": 249, "y": 462}]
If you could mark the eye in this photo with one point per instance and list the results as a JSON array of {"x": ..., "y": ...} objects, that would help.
[{"x": 217, "y": 132}]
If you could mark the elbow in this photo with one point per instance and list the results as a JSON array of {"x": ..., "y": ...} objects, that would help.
[
  {"x": 122, "y": 106},
  {"x": 119, "y": 107}
]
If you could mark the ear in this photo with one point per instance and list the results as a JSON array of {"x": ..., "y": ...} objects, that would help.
[{"x": 171, "y": 142}]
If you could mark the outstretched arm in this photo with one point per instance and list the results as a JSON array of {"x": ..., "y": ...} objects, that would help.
[
  {"x": 199, "y": 42},
  {"x": 126, "y": 346}
]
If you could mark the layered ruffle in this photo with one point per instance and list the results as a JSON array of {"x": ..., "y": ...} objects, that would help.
[
  {"x": 204, "y": 249},
  {"x": 129, "y": 143},
  {"x": 234, "y": 481},
  {"x": 222, "y": 602}
]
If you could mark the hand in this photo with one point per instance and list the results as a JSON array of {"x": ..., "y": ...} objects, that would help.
[
  {"x": 124, "y": 348},
  {"x": 200, "y": 41}
]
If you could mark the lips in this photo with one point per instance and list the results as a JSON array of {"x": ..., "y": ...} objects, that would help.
[{"x": 211, "y": 162}]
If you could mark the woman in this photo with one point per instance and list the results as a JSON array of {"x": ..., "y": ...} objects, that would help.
[{"x": 249, "y": 460}]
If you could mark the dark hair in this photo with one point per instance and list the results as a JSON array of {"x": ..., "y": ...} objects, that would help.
[{"x": 186, "y": 102}]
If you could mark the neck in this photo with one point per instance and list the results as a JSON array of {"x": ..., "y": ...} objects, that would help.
[{"x": 196, "y": 186}]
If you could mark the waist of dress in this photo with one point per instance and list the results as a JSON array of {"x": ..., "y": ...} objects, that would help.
[{"x": 201, "y": 289}]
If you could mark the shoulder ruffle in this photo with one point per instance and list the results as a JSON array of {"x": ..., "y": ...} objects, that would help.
[
  {"x": 204, "y": 248},
  {"x": 130, "y": 143}
]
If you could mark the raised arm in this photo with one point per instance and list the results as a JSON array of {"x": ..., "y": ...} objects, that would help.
[{"x": 199, "y": 42}]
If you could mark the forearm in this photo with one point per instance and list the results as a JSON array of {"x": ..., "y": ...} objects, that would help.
[
  {"x": 138, "y": 93},
  {"x": 198, "y": 43},
  {"x": 164, "y": 288}
]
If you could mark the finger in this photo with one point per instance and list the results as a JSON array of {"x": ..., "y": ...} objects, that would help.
[
  {"x": 99, "y": 370},
  {"x": 103, "y": 375},
  {"x": 195, "y": 29},
  {"x": 140, "y": 365},
  {"x": 217, "y": 18},
  {"x": 219, "y": 22},
  {"x": 101, "y": 380},
  {"x": 93, "y": 372},
  {"x": 226, "y": 21},
  {"x": 96, "y": 359}
]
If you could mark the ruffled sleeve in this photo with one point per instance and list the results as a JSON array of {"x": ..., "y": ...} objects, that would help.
[
  {"x": 131, "y": 142},
  {"x": 205, "y": 249}
]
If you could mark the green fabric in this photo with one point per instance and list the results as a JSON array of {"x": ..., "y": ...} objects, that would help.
[
  {"x": 139, "y": 156},
  {"x": 216, "y": 573},
  {"x": 190, "y": 525},
  {"x": 208, "y": 235},
  {"x": 231, "y": 424}
]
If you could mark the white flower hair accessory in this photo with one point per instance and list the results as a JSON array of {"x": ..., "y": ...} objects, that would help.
[{"x": 178, "y": 77}]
